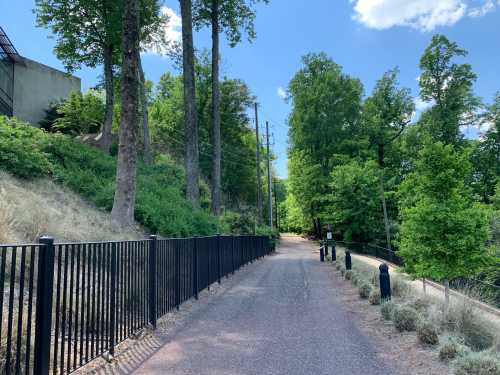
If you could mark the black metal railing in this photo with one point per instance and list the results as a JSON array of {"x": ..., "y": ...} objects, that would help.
[{"x": 63, "y": 305}]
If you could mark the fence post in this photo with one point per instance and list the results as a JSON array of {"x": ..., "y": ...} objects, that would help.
[
  {"x": 385, "y": 282},
  {"x": 218, "y": 259},
  {"x": 112, "y": 302},
  {"x": 232, "y": 254},
  {"x": 153, "y": 246},
  {"x": 195, "y": 268},
  {"x": 43, "y": 318}
]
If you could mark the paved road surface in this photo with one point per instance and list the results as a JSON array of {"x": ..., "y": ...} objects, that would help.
[{"x": 281, "y": 318}]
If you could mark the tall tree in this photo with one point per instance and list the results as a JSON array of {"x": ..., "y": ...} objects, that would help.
[
  {"x": 448, "y": 86},
  {"x": 229, "y": 16},
  {"x": 324, "y": 129},
  {"x": 386, "y": 114},
  {"x": 190, "y": 115},
  {"x": 124, "y": 201},
  {"x": 443, "y": 232},
  {"x": 89, "y": 33}
]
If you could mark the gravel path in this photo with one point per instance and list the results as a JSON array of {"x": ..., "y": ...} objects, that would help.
[{"x": 282, "y": 317}]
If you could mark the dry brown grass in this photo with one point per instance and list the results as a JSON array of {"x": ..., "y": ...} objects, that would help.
[{"x": 31, "y": 209}]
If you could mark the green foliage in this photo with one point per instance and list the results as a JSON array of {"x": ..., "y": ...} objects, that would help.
[
  {"x": 375, "y": 297},
  {"x": 448, "y": 85},
  {"x": 234, "y": 15},
  {"x": 353, "y": 204},
  {"x": 160, "y": 205},
  {"x": 234, "y": 222},
  {"x": 477, "y": 364},
  {"x": 427, "y": 333},
  {"x": 387, "y": 309},
  {"x": 21, "y": 149},
  {"x": 80, "y": 113},
  {"x": 365, "y": 290},
  {"x": 443, "y": 233},
  {"x": 405, "y": 318}
]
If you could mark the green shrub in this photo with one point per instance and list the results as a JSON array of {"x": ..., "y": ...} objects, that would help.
[
  {"x": 451, "y": 349},
  {"x": 375, "y": 298},
  {"x": 427, "y": 333},
  {"x": 161, "y": 207},
  {"x": 477, "y": 333},
  {"x": 364, "y": 290},
  {"x": 342, "y": 271},
  {"x": 421, "y": 304},
  {"x": 477, "y": 364},
  {"x": 355, "y": 279},
  {"x": 399, "y": 287},
  {"x": 405, "y": 318},
  {"x": 21, "y": 149},
  {"x": 348, "y": 275},
  {"x": 387, "y": 309}
]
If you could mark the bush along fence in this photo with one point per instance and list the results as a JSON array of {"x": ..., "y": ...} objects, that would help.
[
  {"x": 64, "y": 304},
  {"x": 484, "y": 291}
]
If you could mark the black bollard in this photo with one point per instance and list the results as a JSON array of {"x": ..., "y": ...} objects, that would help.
[
  {"x": 348, "y": 262},
  {"x": 334, "y": 252},
  {"x": 385, "y": 282},
  {"x": 321, "y": 254}
]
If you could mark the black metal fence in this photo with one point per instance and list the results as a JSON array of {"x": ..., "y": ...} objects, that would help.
[
  {"x": 63, "y": 305},
  {"x": 373, "y": 250}
]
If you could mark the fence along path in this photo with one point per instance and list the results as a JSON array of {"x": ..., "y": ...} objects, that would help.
[{"x": 63, "y": 305}]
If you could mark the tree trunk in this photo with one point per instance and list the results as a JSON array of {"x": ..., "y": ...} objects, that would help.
[
  {"x": 105, "y": 141},
  {"x": 124, "y": 202},
  {"x": 381, "y": 163},
  {"x": 148, "y": 159},
  {"x": 216, "y": 141},
  {"x": 191, "y": 127}
]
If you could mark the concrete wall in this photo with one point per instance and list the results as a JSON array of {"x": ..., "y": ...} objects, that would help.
[{"x": 36, "y": 86}]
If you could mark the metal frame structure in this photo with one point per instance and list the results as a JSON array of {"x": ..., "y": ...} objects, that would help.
[{"x": 8, "y": 58}]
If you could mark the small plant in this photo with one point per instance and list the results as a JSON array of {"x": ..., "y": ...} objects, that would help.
[
  {"x": 374, "y": 298},
  {"x": 348, "y": 275},
  {"x": 387, "y": 310},
  {"x": 342, "y": 271},
  {"x": 451, "y": 349},
  {"x": 405, "y": 318},
  {"x": 477, "y": 364},
  {"x": 364, "y": 290},
  {"x": 338, "y": 266},
  {"x": 427, "y": 333},
  {"x": 421, "y": 304},
  {"x": 355, "y": 279}
]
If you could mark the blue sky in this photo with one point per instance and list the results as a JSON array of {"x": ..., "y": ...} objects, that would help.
[{"x": 366, "y": 37}]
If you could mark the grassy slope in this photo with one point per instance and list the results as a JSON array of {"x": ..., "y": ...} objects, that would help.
[{"x": 28, "y": 153}]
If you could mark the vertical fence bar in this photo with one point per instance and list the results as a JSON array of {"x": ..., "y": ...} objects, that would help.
[
  {"x": 177, "y": 276},
  {"x": 112, "y": 302},
  {"x": 218, "y": 259},
  {"x": 195, "y": 268},
  {"x": 152, "y": 279},
  {"x": 44, "y": 306}
]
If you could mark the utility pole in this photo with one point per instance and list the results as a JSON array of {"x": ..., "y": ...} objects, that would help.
[
  {"x": 259, "y": 187},
  {"x": 269, "y": 181},
  {"x": 277, "y": 219}
]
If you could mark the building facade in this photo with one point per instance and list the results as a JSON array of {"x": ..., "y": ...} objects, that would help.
[{"x": 27, "y": 88}]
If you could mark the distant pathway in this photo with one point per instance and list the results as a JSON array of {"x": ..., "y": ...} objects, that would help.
[{"x": 282, "y": 318}]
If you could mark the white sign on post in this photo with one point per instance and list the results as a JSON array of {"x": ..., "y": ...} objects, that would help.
[{"x": 329, "y": 235}]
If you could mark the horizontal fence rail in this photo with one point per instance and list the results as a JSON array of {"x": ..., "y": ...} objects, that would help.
[
  {"x": 63, "y": 305},
  {"x": 484, "y": 291}
]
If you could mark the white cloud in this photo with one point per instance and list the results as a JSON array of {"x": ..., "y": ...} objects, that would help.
[
  {"x": 424, "y": 15},
  {"x": 421, "y": 106},
  {"x": 282, "y": 93},
  {"x": 171, "y": 33}
]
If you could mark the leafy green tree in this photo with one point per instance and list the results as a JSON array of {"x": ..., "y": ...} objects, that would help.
[
  {"x": 80, "y": 113},
  {"x": 89, "y": 33},
  {"x": 443, "y": 232},
  {"x": 325, "y": 130},
  {"x": 353, "y": 204},
  {"x": 228, "y": 16},
  {"x": 486, "y": 155},
  {"x": 449, "y": 86},
  {"x": 385, "y": 115}
]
